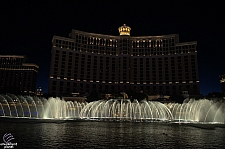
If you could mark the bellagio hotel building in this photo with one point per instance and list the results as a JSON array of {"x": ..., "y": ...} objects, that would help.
[{"x": 85, "y": 62}]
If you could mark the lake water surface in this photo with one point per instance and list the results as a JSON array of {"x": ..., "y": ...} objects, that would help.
[{"x": 111, "y": 135}]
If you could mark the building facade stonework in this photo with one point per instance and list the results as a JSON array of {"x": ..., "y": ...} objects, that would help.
[{"x": 85, "y": 62}]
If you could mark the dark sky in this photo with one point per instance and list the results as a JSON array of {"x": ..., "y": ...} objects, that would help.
[{"x": 27, "y": 28}]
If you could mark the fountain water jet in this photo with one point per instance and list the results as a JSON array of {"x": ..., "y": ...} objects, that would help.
[
  {"x": 125, "y": 110},
  {"x": 193, "y": 111},
  {"x": 34, "y": 107},
  {"x": 203, "y": 111},
  {"x": 3, "y": 102}
]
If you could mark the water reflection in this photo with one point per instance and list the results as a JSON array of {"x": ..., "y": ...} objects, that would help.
[{"x": 113, "y": 135}]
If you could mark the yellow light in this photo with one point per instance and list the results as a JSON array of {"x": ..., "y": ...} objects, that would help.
[{"x": 124, "y": 30}]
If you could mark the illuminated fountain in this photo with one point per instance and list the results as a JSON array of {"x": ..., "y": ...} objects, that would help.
[
  {"x": 198, "y": 111},
  {"x": 125, "y": 110},
  {"x": 40, "y": 108},
  {"x": 192, "y": 111},
  {"x": 56, "y": 108}
]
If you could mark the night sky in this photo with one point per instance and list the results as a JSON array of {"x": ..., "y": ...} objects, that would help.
[{"x": 27, "y": 28}]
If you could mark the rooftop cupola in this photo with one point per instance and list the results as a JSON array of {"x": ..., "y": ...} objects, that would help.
[{"x": 124, "y": 30}]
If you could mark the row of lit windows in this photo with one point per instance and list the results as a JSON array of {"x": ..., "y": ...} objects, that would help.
[
  {"x": 125, "y": 78},
  {"x": 140, "y": 63},
  {"x": 141, "y": 45},
  {"x": 135, "y": 52},
  {"x": 77, "y": 87},
  {"x": 9, "y": 60},
  {"x": 105, "y": 73},
  {"x": 103, "y": 67},
  {"x": 127, "y": 82},
  {"x": 149, "y": 44},
  {"x": 20, "y": 69},
  {"x": 143, "y": 54},
  {"x": 81, "y": 85},
  {"x": 99, "y": 40},
  {"x": 102, "y": 48},
  {"x": 135, "y": 68}
]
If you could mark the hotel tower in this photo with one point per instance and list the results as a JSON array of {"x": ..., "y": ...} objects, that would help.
[
  {"x": 17, "y": 76},
  {"x": 85, "y": 62}
]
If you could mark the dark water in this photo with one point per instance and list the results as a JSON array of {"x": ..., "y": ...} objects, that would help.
[{"x": 111, "y": 135}]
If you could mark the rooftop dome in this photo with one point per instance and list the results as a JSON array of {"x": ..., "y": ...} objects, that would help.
[{"x": 124, "y": 30}]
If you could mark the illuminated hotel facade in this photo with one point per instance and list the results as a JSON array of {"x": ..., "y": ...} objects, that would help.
[
  {"x": 17, "y": 76},
  {"x": 153, "y": 64}
]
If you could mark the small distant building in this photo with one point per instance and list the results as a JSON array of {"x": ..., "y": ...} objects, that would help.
[
  {"x": 17, "y": 76},
  {"x": 156, "y": 97},
  {"x": 222, "y": 82},
  {"x": 39, "y": 91},
  {"x": 185, "y": 94},
  {"x": 78, "y": 99}
]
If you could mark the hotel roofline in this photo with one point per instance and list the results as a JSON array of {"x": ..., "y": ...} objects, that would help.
[
  {"x": 13, "y": 56},
  {"x": 103, "y": 35},
  {"x": 131, "y": 37},
  {"x": 30, "y": 64},
  {"x": 95, "y": 35}
]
